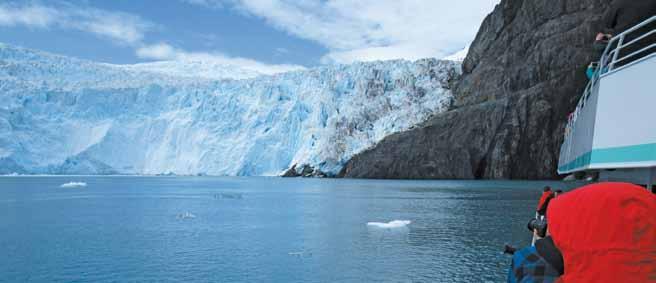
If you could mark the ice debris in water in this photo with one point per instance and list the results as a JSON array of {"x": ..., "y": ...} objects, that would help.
[
  {"x": 74, "y": 185},
  {"x": 390, "y": 225},
  {"x": 229, "y": 196},
  {"x": 300, "y": 254},
  {"x": 186, "y": 215}
]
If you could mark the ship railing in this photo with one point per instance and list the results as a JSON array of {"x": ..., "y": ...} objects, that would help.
[{"x": 613, "y": 61}]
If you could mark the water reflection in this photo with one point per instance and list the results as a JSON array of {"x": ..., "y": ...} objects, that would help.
[{"x": 260, "y": 229}]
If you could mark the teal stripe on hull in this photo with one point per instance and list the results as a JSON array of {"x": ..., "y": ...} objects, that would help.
[{"x": 624, "y": 154}]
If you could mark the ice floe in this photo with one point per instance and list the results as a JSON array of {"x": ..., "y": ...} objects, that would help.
[
  {"x": 74, "y": 185},
  {"x": 228, "y": 196},
  {"x": 390, "y": 225},
  {"x": 186, "y": 215}
]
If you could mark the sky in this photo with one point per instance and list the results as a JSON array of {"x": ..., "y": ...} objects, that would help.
[{"x": 270, "y": 35}]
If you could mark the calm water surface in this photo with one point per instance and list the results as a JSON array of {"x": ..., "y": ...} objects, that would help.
[{"x": 158, "y": 229}]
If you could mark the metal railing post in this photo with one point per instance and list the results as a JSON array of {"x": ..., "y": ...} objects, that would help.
[{"x": 617, "y": 52}]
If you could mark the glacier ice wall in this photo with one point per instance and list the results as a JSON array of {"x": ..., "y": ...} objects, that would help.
[{"x": 60, "y": 115}]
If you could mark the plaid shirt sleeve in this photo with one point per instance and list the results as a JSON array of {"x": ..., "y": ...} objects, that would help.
[{"x": 529, "y": 267}]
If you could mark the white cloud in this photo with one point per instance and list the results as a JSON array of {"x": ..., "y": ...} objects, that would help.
[
  {"x": 33, "y": 16},
  {"x": 164, "y": 51},
  {"x": 117, "y": 26},
  {"x": 352, "y": 30},
  {"x": 120, "y": 27},
  {"x": 365, "y": 30}
]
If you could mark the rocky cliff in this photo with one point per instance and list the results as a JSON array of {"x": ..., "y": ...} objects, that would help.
[{"x": 524, "y": 73}]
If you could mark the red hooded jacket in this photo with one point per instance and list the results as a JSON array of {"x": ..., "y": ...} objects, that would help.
[{"x": 606, "y": 233}]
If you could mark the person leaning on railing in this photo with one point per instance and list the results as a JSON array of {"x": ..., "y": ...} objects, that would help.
[{"x": 592, "y": 70}]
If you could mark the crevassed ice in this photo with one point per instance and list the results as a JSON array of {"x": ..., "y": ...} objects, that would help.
[{"x": 61, "y": 115}]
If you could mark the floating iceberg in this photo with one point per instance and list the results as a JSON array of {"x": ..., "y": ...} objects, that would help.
[
  {"x": 229, "y": 196},
  {"x": 390, "y": 225},
  {"x": 186, "y": 215},
  {"x": 74, "y": 185}
]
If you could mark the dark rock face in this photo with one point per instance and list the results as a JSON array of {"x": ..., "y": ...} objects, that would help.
[
  {"x": 304, "y": 170},
  {"x": 524, "y": 73}
]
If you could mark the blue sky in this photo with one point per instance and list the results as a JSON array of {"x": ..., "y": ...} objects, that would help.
[{"x": 276, "y": 35}]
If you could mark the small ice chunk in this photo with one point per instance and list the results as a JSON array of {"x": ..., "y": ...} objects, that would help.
[
  {"x": 228, "y": 196},
  {"x": 74, "y": 185},
  {"x": 390, "y": 225},
  {"x": 301, "y": 254},
  {"x": 186, "y": 215}
]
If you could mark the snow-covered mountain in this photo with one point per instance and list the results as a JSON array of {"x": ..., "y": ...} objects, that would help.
[
  {"x": 195, "y": 69},
  {"x": 458, "y": 56},
  {"x": 60, "y": 115}
]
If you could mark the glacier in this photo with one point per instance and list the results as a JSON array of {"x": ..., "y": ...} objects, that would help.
[
  {"x": 196, "y": 68},
  {"x": 62, "y": 115}
]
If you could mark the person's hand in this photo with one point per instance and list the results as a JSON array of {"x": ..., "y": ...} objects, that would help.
[{"x": 536, "y": 235}]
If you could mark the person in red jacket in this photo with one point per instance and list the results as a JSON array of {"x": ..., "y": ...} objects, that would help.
[
  {"x": 605, "y": 232},
  {"x": 543, "y": 203}
]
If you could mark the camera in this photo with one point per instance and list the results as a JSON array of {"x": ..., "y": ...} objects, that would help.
[
  {"x": 539, "y": 225},
  {"x": 508, "y": 249}
]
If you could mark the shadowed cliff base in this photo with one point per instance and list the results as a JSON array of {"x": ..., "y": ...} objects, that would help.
[{"x": 524, "y": 73}]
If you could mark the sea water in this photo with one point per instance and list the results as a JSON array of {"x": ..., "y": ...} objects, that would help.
[{"x": 206, "y": 229}]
